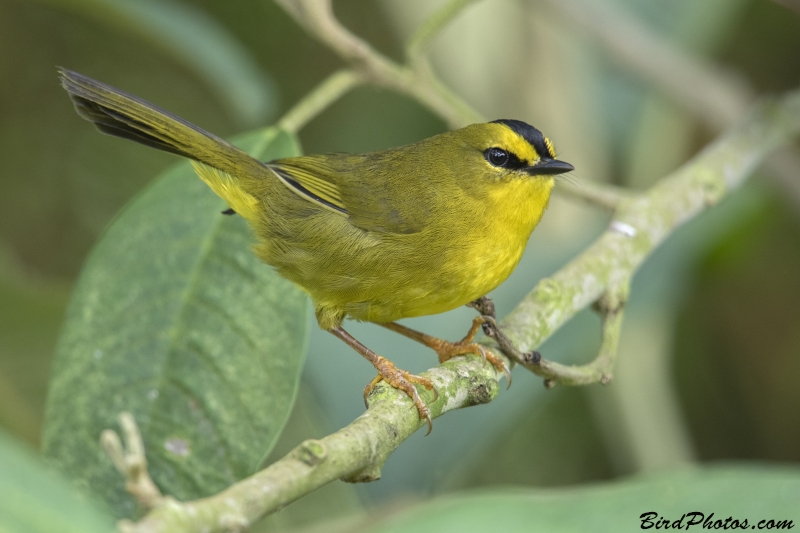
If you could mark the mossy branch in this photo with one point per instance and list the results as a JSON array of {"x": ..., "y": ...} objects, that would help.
[
  {"x": 611, "y": 306},
  {"x": 355, "y": 453}
]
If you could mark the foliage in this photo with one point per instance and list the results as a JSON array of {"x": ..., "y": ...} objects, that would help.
[
  {"x": 37, "y": 500},
  {"x": 176, "y": 321},
  {"x": 740, "y": 493}
]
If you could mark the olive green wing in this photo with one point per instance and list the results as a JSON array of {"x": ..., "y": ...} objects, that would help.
[
  {"x": 358, "y": 187},
  {"x": 311, "y": 179}
]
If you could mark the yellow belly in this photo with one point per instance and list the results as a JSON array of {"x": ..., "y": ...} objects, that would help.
[{"x": 455, "y": 284}]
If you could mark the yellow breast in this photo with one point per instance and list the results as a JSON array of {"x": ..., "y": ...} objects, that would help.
[
  {"x": 466, "y": 261},
  {"x": 516, "y": 209}
]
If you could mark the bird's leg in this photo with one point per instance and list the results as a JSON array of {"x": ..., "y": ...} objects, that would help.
[
  {"x": 446, "y": 349},
  {"x": 399, "y": 379}
]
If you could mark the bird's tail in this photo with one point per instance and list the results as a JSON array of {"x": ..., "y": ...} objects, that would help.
[{"x": 117, "y": 113}]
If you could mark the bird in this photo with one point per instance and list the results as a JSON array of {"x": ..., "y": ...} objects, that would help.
[{"x": 376, "y": 237}]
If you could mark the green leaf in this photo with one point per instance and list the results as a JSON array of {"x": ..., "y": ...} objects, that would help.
[
  {"x": 175, "y": 320},
  {"x": 751, "y": 493},
  {"x": 36, "y": 500},
  {"x": 196, "y": 40}
]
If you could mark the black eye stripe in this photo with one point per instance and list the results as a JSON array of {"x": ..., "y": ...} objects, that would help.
[
  {"x": 515, "y": 162},
  {"x": 503, "y": 158}
]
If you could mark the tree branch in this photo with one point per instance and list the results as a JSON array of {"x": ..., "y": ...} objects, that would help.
[
  {"x": 611, "y": 307},
  {"x": 355, "y": 453},
  {"x": 316, "y": 17},
  {"x": 599, "y": 194},
  {"x": 312, "y": 104}
]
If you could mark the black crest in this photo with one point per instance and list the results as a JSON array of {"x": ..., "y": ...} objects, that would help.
[{"x": 530, "y": 134}]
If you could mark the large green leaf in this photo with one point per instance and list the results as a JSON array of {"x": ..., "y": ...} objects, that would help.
[
  {"x": 742, "y": 493},
  {"x": 175, "y": 320},
  {"x": 36, "y": 500}
]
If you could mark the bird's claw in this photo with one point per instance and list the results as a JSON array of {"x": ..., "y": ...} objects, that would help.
[
  {"x": 400, "y": 379},
  {"x": 446, "y": 350}
]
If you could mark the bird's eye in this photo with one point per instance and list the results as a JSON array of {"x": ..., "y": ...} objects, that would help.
[{"x": 496, "y": 156}]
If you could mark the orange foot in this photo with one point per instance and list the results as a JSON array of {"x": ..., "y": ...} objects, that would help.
[
  {"x": 446, "y": 349},
  {"x": 400, "y": 379}
]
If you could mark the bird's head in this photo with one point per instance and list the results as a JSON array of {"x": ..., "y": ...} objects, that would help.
[
  {"x": 514, "y": 149},
  {"x": 510, "y": 162}
]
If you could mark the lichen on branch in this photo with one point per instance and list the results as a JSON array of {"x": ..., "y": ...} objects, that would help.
[{"x": 355, "y": 453}]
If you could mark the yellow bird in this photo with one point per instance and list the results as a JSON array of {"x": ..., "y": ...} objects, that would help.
[{"x": 376, "y": 237}]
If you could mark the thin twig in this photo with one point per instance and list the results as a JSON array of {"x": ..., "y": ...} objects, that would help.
[
  {"x": 600, "y": 194},
  {"x": 131, "y": 461},
  {"x": 611, "y": 307},
  {"x": 331, "y": 89},
  {"x": 316, "y": 16}
]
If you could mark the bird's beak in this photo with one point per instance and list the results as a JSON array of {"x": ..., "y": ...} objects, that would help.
[{"x": 549, "y": 167}]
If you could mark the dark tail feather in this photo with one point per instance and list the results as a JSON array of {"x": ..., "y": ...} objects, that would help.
[{"x": 118, "y": 113}]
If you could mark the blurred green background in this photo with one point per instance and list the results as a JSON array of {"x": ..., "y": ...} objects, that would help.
[{"x": 710, "y": 355}]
